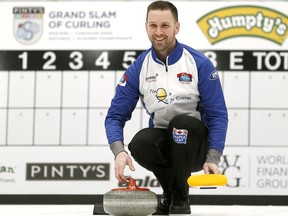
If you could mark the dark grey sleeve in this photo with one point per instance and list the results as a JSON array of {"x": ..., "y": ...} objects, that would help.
[
  {"x": 117, "y": 147},
  {"x": 213, "y": 156}
]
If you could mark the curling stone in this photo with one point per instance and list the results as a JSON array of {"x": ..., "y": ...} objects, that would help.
[{"x": 130, "y": 201}]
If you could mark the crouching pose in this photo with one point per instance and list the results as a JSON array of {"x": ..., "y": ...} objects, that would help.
[{"x": 180, "y": 89}]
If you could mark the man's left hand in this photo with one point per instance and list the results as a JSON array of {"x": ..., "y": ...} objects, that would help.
[{"x": 211, "y": 168}]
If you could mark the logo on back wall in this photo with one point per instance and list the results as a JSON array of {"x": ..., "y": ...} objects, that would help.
[
  {"x": 7, "y": 174},
  {"x": 67, "y": 171},
  {"x": 28, "y": 22},
  {"x": 239, "y": 21}
]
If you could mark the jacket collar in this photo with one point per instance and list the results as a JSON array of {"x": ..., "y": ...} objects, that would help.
[{"x": 174, "y": 56}]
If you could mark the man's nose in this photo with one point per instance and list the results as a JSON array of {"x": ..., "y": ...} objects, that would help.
[{"x": 158, "y": 31}]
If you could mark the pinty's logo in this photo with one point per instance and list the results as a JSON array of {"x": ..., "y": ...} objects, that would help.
[{"x": 28, "y": 24}]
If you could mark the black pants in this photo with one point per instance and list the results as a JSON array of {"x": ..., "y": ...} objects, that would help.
[{"x": 172, "y": 154}]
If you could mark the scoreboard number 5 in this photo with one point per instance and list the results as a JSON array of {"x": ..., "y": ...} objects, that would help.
[{"x": 129, "y": 56}]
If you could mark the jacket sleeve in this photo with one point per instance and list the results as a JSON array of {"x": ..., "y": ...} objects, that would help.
[
  {"x": 122, "y": 105},
  {"x": 213, "y": 102}
]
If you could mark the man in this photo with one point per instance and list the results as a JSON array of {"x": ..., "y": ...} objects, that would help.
[{"x": 180, "y": 89}]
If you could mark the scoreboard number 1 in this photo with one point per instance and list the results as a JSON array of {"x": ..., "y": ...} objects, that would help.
[{"x": 24, "y": 57}]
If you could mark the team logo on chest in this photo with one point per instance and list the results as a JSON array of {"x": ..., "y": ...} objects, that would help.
[
  {"x": 161, "y": 95},
  {"x": 184, "y": 77}
]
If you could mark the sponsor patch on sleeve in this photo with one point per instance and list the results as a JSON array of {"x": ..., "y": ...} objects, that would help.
[
  {"x": 214, "y": 75},
  {"x": 123, "y": 80}
]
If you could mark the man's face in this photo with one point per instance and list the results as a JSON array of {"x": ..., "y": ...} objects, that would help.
[{"x": 161, "y": 29}]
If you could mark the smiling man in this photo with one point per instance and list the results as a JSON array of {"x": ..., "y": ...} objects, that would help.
[
  {"x": 180, "y": 89},
  {"x": 161, "y": 30}
]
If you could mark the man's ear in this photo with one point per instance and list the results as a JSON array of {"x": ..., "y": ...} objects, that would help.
[{"x": 177, "y": 27}]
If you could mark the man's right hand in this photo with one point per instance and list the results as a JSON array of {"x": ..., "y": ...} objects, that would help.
[{"x": 122, "y": 159}]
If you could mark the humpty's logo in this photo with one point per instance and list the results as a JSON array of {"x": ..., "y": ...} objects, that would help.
[{"x": 239, "y": 21}]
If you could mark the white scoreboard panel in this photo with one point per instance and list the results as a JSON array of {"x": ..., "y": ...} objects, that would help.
[{"x": 61, "y": 61}]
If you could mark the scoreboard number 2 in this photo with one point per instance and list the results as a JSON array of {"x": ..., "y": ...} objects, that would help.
[{"x": 50, "y": 57}]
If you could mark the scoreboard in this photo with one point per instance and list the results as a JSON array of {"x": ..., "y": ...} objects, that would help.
[{"x": 232, "y": 60}]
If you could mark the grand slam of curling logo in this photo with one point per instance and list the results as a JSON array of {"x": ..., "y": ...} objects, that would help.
[
  {"x": 238, "y": 21},
  {"x": 28, "y": 24}
]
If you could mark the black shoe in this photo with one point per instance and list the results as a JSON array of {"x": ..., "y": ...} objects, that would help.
[
  {"x": 180, "y": 205},
  {"x": 163, "y": 205}
]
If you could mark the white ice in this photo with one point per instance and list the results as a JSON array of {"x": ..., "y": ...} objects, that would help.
[{"x": 197, "y": 210}]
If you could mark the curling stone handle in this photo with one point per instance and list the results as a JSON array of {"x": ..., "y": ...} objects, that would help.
[{"x": 132, "y": 186}]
